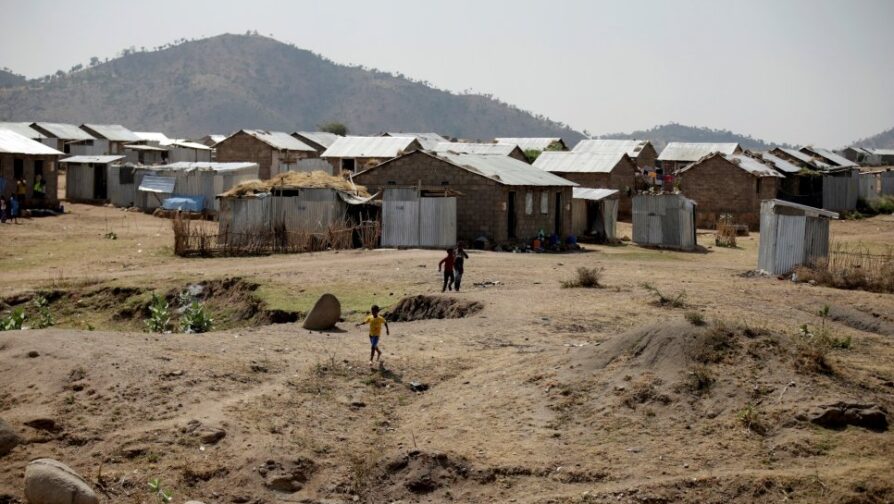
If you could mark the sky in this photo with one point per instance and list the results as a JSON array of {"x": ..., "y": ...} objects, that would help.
[{"x": 796, "y": 71}]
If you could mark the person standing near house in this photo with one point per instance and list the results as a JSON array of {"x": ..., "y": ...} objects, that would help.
[
  {"x": 375, "y": 321},
  {"x": 447, "y": 263},
  {"x": 458, "y": 264},
  {"x": 21, "y": 191},
  {"x": 40, "y": 187},
  {"x": 3, "y": 211},
  {"x": 14, "y": 209}
]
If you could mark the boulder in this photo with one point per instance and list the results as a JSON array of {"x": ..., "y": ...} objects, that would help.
[
  {"x": 8, "y": 438},
  {"x": 48, "y": 481},
  {"x": 841, "y": 414},
  {"x": 324, "y": 315}
]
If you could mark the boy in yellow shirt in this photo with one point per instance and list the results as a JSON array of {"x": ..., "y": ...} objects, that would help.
[{"x": 375, "y": 322}]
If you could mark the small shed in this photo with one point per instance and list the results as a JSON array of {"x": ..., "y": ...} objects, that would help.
[
  {"x": 594, "y": 214},
  {"x": 194, "y": 180},
  {"x": 24, "y": 159},
  {"x": 414, "y": 218},
  {"x": 664, "y": 220},
  {"x": 288, "y": 208},
  {"x": 86, "y": 177},
  {"x": 791, "y": 235}
]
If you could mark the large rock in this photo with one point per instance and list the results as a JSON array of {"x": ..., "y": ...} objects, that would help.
[
  {"x": 8, "y": 438},
  {"x": 324, "y": 315},
  {"x": 841, "y": 414},
  {"x": 48, "y": 481}
]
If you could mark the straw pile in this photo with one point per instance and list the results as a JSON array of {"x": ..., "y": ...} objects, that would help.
[{"x": 296, "y": 180}]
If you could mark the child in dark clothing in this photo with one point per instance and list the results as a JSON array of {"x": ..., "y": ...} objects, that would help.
[
  {"x": 458, "y": 264},
  {"x": 447, "y": 263}
]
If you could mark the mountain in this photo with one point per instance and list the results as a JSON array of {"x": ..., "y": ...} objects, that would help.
[
  {"x": 673, "y": 132},
  {"x": 884, "y": 140},
  {"x": 224, "y": 83},
  {"x": 8, "y": 78}
]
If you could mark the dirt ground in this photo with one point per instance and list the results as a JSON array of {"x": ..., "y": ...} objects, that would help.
[{"x": 545, "y": 395}]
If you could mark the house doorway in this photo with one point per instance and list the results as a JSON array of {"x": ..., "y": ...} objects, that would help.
[
  {"x": 347, "y": 165},
  {"x": 99, "y": 182},
  {"x": 558, "y": 229},
  {"x": 510, "y": 209}
]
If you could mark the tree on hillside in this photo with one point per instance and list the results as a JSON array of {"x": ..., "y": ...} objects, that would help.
[{"x": 334, "y": 127}]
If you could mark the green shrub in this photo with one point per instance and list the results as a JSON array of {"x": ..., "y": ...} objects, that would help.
[
  {"x": 13, "y": 321},
  {"x": 44, "y": 315},
  {"x": 195, "y": 319},
  {"x": 159, "y": 314}
]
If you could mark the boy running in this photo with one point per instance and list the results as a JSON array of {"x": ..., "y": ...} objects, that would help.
[
  {"x": 375, "y": 322},
  {"x": 447, "y": 263}
]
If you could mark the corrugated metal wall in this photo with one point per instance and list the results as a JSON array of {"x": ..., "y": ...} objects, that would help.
[
  {"x": 788, "y": 241},
  {"x": 120, "y": 195},
  {"x": 311, "y": 211},
  {"x": 179, "y": 154},
  {"x": 205, "y": 183},
  {"x": 840, "y": 192},
  {"x": 869, "y": 185},
  {"x": 665, "y": 220},
  {"x": 608, "y": 212},
  {"x": 610, "y": 218},
  {"x": 411, "y": 221},
  {"x": 79, "y": 182},
  {"x": 887, "y": 183},
  {"x": 312, "y": 164}
]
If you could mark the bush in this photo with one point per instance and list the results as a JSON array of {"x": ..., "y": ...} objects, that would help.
[
  {"x": 195, "y": 319},
  {"x": 13, "y": 321},
  {"x": 44, "y": 316},
  {"x": 159, "y": 314},
  {"x": 814, "y": 345},
  {"x": 677, "y": 300},
  {"x": 750, "y": 418},
  {"x": 585, "y": 277},
  {"x": 695, "y": 318},
  {"x": 700, "y": 378}
]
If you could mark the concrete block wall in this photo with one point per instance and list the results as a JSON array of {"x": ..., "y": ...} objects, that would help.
[
  {"x": 50, "y": 175},
  {"x": 244, "y": 147},
  {"x": 622, "y": 177}
]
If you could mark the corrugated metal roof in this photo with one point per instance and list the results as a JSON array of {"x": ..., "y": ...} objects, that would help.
[
  {"x": 592, "y": 194},
  {"x": 217, "y": 138},
  {"x": 64, "y": 131},
  {"x": 780, "y": 164},
  {"x": 426, "y": 140},
  {"x": 13, "y": 143},
  {"x": 323, "y": 138},
  {"x": 186, "y": 144},
  {"x": 368, "y": 147},
  {"x": 142, "y": 147},
  {"x": 532, "y": 143},
  {"x": 504, "y": 169},
  {"x": 153, "y": 136},
  {"x": 158, "y": 184},
  {"x": 806, "y": 158},
  {"x": 492, "y": 149},
  {"x": 575, "y": 162},
  {"x": 882, "y": 152},
  {"x": 834, "y": 157},
  {"x": 23, "y": 129},
  {"x": 693, "y": 151},
  {"x": 112, "y": 132},
  {"x": 279, "y": 140},
  {"x": 632, "y": 148},
  {"x": 747, "y": 163},
  {"x": 808, "y": 210},
  {"x": 91, "y": 159}
]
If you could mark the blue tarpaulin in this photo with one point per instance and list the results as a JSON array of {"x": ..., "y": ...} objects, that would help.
[{"x": 184, "y": 203}]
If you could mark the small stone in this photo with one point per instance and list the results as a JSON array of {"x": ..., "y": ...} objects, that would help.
[
  {"x": 9, "y": 439},
  {"x": 211, "y": 435},
  {"x": 48, "y": 481},
  {"x": 33, "y": 353}
]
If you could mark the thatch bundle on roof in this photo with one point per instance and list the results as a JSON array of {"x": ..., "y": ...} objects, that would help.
[{"x": 296, "y": 180}]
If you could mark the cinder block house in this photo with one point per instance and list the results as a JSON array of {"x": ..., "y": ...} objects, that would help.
[
  {"x": 273, "y": 151},
  {"x": 22, "y": 158},
  {"x": 70, "y": 139},
  {"x": 24, "y": 129},
  {"x": 597, "y": 171},
  {"x": 500, "y": 198},
  {"x": 642, "y": 152},
  {"x": 732, "y": 184},
  {"x": 482, "y": 149},
  {"x": 676, "y": 155},
  {"x": 353, "y": 154},
  {"x": 116, "y": 135}
]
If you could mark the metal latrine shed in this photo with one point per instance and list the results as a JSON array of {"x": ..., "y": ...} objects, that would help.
[
  {"x": 664, "y": 220},
  {"x": 792, "y": 235},
  {"x": 410, "y": 219}
]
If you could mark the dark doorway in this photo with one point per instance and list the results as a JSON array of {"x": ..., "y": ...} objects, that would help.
[
  {"x": 510, "y": 209},
  {"x": 559, "y": 213},
  {"x": 18, "y": 169},
  {"x": 99, "y": 182},
  {"x": 347, "y": 165}
]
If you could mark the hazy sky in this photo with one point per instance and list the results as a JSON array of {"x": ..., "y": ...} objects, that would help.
[{"x": 799, "y": 71}]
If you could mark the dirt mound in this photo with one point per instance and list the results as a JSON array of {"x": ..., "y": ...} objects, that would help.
[
  {"x": 431, "y": 307},
  {"x": 422, "y": 473},
  {"x": 861, "y": 321}
]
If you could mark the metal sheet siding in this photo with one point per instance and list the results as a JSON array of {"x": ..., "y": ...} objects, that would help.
[
  {"x": 120, "y": 195},
  {"x": 789, "y": 242},
  {"x": 610, "y": 217},
  {"x": 869, "y": 185},
  {"x": 840, "y": 192},
  {"x": 887, "y": 183},
  {"x": 312, "y": 165},
  {"x": 816, "y": 239},
  {"x": 665, "y": 220},
  {"x": 400, "y": 222},
  {"x": 767, "y": 245},
  {"x": 79, "y": 182},
  {"x": 437, "y": 224}
]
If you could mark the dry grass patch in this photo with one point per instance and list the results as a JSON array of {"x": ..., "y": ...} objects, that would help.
[
  {"x": 852, "y": 267},
  {"x": 585, "y": 277}
]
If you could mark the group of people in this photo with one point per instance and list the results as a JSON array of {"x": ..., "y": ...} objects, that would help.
[
  {"x": 11, "y": 208},
  {"x": 453, "y": 266}
]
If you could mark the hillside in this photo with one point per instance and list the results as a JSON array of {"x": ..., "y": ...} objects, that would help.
[
  {"x": 228, "y": 82},
  {"x": 673, "y": 132},
  {"x": 8, "y": 78},
  {"x": 884, "y": 140}
]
